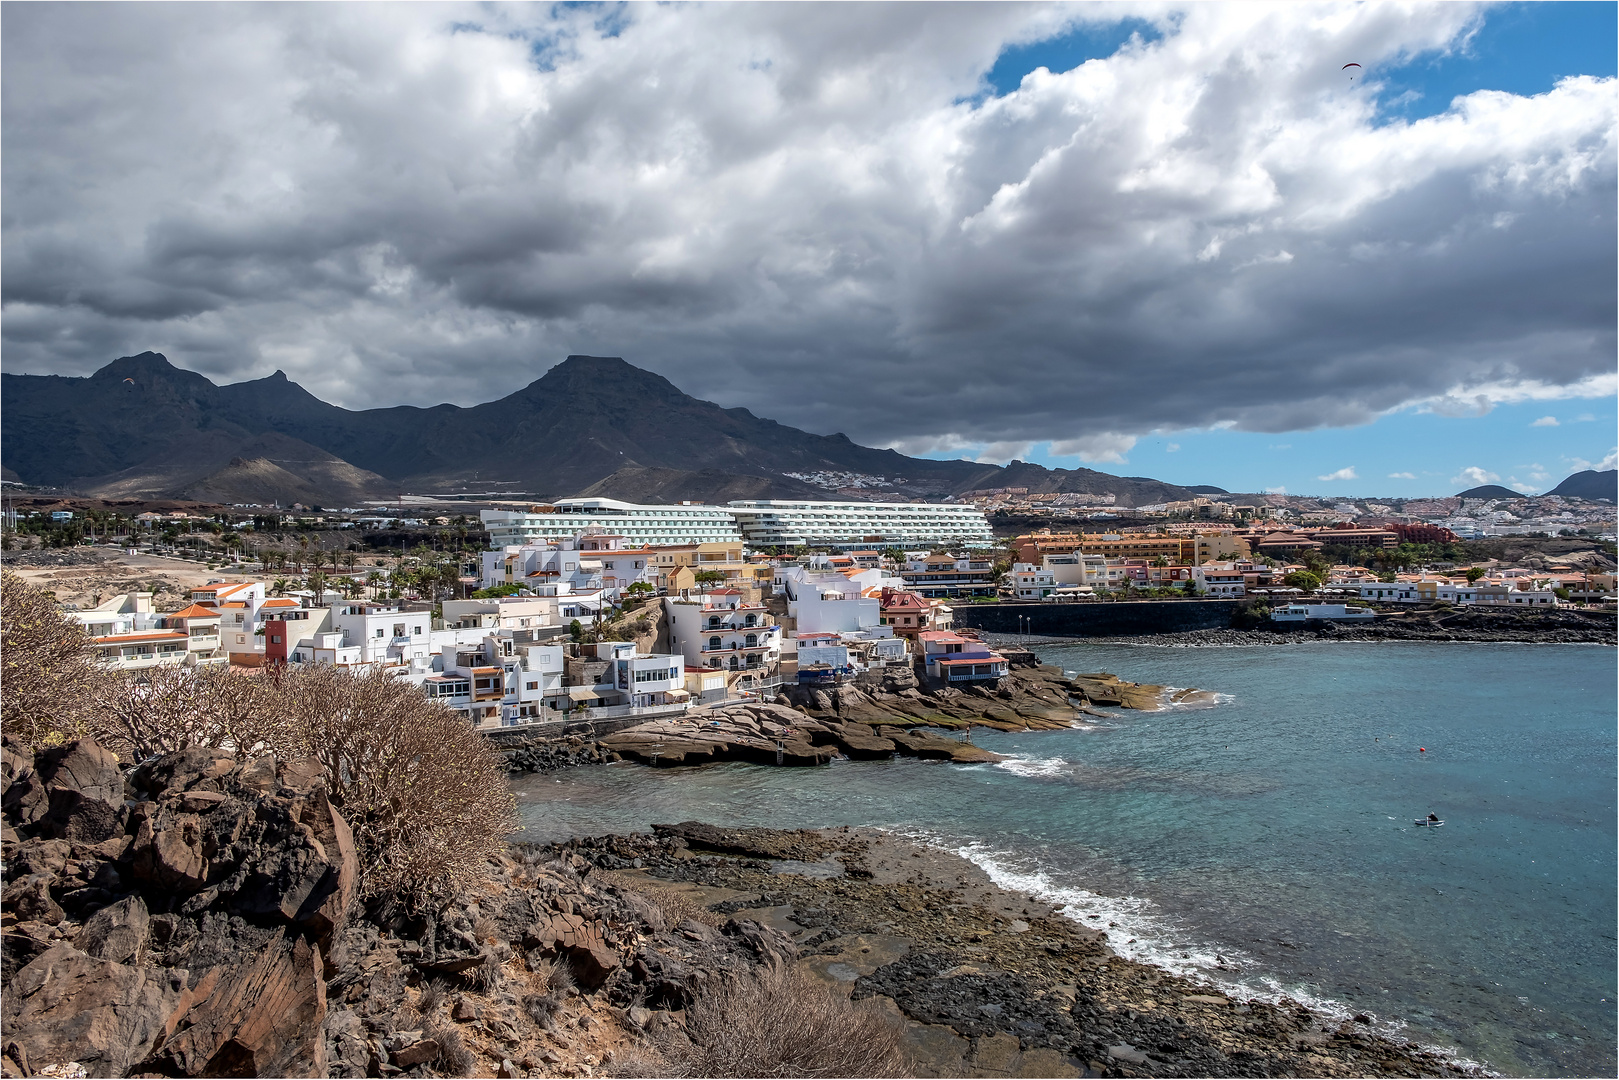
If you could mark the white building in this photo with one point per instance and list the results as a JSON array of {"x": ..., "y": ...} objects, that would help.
[
  {"x": 639, "y": 526},
  {"x": 848, "y": 525},
  {"x": 1030, "y": 582},
  {"x": 1214, "y": 580},
  {"x": 590, "y": 561},
  {"x": 722, "y": 630},
  {"x": 834, "y": 603}
]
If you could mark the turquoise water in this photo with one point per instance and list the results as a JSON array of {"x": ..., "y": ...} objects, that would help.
[{"x": 1267, "y": 841}]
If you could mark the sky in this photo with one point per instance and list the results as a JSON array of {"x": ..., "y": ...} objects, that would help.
[{"x": 1173, "y": 240}]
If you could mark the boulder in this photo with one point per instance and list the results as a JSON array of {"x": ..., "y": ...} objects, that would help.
[
  {"x": 262, "y": 1016},
  {"x": 117, "y": 932},
  {"x": 181, "y": 769},
  {"x": 67, "y": 1006},
  {"x": 84, "y": 767},
  {"x": 580, "y": 941},
  {"x": 30, "y": 900},
  {"x": 167, "y": 852}
]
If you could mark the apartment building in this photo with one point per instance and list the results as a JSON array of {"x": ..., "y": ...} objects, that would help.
[
  {"x": 637, "y": 525},
  {"x": 859, "y": 525},
  {"x": 944, "y": 575},
  {"x": 723, "y": 630}
]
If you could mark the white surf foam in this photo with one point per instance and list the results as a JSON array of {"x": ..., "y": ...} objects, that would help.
[
  {"x": 1137, "y": 929},
  {"x": 1034, "y": 767}
]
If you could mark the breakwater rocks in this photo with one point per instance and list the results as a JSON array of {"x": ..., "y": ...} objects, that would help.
[
  {"x": 985, "y": 982},
  {"x": 1560, "y": 626},
  {"x": 197, "y": 916},
  {"x": 550, "y": 755}
]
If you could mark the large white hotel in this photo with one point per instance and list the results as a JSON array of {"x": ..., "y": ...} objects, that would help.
[{"x": 760, "y": 523}]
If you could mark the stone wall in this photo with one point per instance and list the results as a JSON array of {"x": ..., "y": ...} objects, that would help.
[{"x": 1098, "y": 619}]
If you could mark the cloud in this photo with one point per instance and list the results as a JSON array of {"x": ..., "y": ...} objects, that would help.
[
  {"x": 1345, "y": 473},
  {"x": 1278, "y": 490},
  {"x": 418, "y": 203},
  {"x": 1546, "y": 421},
  {"x": 1473, "y": 476},
  {"x": 1105, "y": 446},
  {"x": 1172, "y": 447},
  {"x": 1402, "y": 476},
  {"x": 1581, "y": 465}
]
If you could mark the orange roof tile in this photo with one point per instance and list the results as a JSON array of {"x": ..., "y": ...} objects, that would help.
[
  {"x": 279, "y": 603},
  {"x": 195, "y": 611}
]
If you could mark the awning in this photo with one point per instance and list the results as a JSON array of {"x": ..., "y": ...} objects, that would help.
[
  {"x": 676, "y": 695},
  {"x": 583, "y": 693}
]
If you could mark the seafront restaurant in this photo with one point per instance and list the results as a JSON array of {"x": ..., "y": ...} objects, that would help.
[{"x": 958, "y": 659}]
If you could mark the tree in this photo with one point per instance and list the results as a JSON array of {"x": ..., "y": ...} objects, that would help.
[
  {"x": 1474, "y": 573},
  {"x": 46, "y": 666},
  {"x": 576, "y": 630},
  {"x": 708, "y": 577},
  {"x": 1303, "y": 579}
]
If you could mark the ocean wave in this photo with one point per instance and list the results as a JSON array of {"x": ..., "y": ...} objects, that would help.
[
  {"x": 1135, "y": 928},
  {"x": 1034, "y": 767}
]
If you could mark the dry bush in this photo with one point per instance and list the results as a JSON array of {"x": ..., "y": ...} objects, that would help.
[
  {"x": 47, "y": 670},
  {"x": 169, "y": 708},
  {"x": 783, "y": 1023},
  {"x": 425, "y": 794},
  {"x": 677, "y": 907}
]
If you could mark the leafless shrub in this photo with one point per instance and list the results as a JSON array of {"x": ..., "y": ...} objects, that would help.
[
  {"x": 168, "y": 708},
  {"x": 454, "y": 1059},
  {"x": 542, "y": 1009},
  {"x": 641, "y": 1063},
  {"x": 425, "y": 794},
  {"x": 783, "y": 1023},
  {"x": 432, "y": 997},
  {"x": 550, "y": 977},
  {"x": 46, "y": 667}
]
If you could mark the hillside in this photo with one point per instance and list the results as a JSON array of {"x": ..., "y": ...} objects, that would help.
[
  {"x": 1490, "y": 491},
  {"x": 589, "y": 424},
  {"x": 1590, "y": 484}
]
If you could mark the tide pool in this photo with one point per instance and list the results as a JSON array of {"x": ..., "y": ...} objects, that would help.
[{"x": 1266, "y": 842}]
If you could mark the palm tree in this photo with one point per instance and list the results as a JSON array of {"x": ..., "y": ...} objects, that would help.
[{"x": 279, "y": 588}]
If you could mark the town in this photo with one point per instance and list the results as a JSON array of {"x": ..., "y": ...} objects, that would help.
[{"x": 593, "y": 608}]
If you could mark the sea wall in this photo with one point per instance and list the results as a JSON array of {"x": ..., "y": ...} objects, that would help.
[{"x": 1099, "y": 619}]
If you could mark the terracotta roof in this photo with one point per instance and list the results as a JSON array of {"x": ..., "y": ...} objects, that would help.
[
  {"x": 195, "y": 611},
  {"x": 279, "y": 603},
  {"x": 142, "y": 635}
]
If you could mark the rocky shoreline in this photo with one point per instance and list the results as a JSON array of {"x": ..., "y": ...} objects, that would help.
[
  {"x": 985, "y": 982},
  {"x": 881, "y": 714},
  {"x": 1560, "y": 627}
]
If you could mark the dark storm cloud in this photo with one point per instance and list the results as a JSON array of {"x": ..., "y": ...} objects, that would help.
[{"x": 818, "y": 213}]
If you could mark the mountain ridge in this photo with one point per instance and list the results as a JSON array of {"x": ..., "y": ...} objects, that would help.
[{"x": 142, "y": 423}]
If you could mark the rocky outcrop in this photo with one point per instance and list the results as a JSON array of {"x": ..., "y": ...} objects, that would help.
[
  {"x": 217, "y": 933},
  {"x": 172, "y": 919},
  {"x": 776, "y": 735},
  {"x": 1031, "y": 696}
]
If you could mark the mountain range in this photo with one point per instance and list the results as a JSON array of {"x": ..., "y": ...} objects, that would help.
[{"x": 142, "y": 428}]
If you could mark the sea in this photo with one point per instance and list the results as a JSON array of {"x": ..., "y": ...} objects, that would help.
[{"x": 1265, "y": 842}]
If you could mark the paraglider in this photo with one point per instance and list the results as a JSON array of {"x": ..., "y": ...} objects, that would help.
[{"x": 1353, "y": 74}]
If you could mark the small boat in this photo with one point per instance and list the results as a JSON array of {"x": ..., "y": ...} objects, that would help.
[{"x": 1428, "y": 824}]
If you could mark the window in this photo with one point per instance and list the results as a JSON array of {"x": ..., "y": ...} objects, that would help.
[
  {"x": 417, "y": 629},
  {"x": 713, "y": 644},
  {"x": 275, "y": 639},
  {"x": 379, "y": 631},
  {"x": 399, "y": 629}
]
